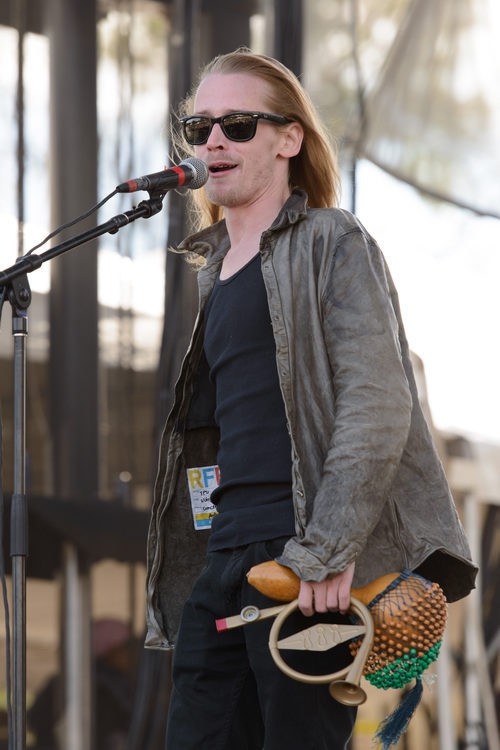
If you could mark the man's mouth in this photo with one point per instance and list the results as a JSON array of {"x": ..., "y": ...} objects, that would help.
[{"x": 218, "y": 167}]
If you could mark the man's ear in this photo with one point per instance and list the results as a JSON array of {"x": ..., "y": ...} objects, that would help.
[{"x": 293, "y": 136}]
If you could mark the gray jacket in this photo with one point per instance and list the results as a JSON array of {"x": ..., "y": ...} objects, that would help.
[{"x": 367, "y": 482}]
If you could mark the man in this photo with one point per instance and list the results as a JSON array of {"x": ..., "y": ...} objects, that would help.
[{"x": 297, "y": 388}]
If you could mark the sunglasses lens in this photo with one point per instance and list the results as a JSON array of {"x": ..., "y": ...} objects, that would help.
[
  {"x": 197, "y": 130},
  {"x": 239, "y": 127}
]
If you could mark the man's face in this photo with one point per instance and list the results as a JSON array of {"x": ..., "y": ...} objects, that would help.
[{"x": 241, "y": 173}]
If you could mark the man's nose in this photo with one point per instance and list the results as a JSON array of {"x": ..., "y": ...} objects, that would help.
[{"x": 216, "y": 136}]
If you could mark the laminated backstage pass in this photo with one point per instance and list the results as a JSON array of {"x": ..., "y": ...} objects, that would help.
[{"x": 202, "y": 481}]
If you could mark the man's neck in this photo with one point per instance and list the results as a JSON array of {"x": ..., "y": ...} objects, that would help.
[
  {"x": 255, "y": 218},
  {"x": 245, "y": 226}
]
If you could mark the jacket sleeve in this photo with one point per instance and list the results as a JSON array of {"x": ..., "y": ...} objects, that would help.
[{"x": 372, "y": 409}]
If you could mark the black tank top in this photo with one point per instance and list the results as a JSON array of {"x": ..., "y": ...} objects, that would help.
[{"x": 254, "y": 498}]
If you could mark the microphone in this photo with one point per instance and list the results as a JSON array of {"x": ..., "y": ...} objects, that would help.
[{"x": 191, "y": 173}]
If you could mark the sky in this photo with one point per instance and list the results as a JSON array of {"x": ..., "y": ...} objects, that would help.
[{"x": 446, "y": 266}]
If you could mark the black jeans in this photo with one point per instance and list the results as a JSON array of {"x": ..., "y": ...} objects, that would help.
[{"x": 228, "y": 694}]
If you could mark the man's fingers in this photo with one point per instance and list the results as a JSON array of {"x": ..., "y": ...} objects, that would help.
[
  {"x": 333, "y": 604},
  {"x": 320, "y": 592},
  {"x": 344, "y": 598},
  {"x": 332, "y": 594},
  {"x": 305, "y": 599},
  {"x": 344, "y": 588}
]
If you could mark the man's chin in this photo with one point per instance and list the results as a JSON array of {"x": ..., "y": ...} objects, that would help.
[{"x": 223, "y": 198}]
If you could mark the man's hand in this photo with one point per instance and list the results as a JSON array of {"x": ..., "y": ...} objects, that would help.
[{"x": 331, "y": 595}]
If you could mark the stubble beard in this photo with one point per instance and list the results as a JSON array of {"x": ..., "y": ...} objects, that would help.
[{"x": 229, "y": 197}]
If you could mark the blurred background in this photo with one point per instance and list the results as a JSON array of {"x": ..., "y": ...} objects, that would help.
[{"x": 409, "y": 91}]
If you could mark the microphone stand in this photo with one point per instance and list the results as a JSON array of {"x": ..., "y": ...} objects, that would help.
[{"x": 15, "y": 282}]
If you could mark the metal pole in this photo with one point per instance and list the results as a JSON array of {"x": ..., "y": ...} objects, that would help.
[
  {"x": 76, "y": 605},
  {"x": 447, "y": 736},
  {"x": 71, "y": 27},
  {"x": 287, "y": 28},
  {"x": 19, "y": 514},
  {"x": 473, "y": 715},
  {"x": 19, "y": 544},
  {"x": 480, "y": 717}
]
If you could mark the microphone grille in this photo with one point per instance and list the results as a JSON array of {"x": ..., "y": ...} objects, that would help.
[{"x": 200, "y": 172}]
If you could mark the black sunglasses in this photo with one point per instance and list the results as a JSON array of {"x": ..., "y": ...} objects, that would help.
[{"x": 237, "y": 126}]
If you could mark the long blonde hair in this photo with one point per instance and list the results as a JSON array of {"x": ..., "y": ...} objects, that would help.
[{"x": 315, "y": 168}]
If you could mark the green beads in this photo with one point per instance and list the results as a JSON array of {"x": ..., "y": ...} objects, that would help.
[{"x": 399, "y": 672}]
